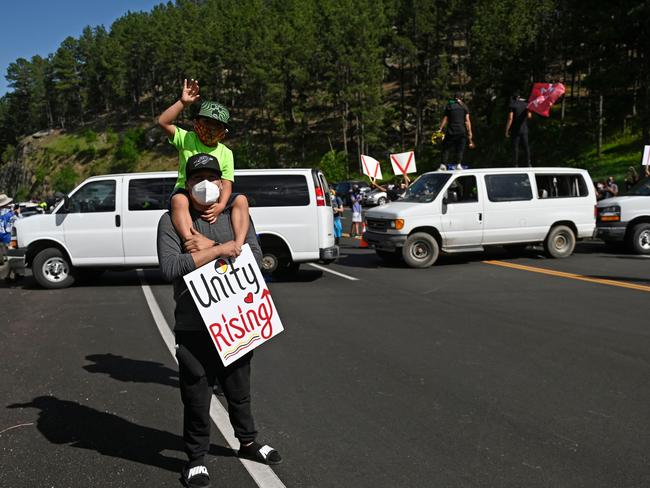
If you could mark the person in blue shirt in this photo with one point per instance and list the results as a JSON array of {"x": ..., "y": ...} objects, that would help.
[
  {"x": 7, "y": 218},
  {"x": 337, "y": 207}
]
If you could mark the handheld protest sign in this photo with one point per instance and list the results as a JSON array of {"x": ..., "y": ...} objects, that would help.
[
  {"x": 403, "y": 163},
  {"x": 235, "y": 304},
  {"x": 371, "y": 167},
  {"x": 646, "y": 156},
  {"x": 543, "y": 96}
]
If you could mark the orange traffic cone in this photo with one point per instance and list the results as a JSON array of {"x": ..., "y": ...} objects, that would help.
[{"x": 362, "y": 242}]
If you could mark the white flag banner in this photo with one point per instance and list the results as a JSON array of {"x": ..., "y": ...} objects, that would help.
[
  {"x": 235, "y": 304},
  {"x": 403, "y": 163},
  {"x": 646, "y": 156},
  {"x": 371, "y": 167}
]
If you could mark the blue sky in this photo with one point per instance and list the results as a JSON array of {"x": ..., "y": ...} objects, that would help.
[{"x": 38, "y": 27}]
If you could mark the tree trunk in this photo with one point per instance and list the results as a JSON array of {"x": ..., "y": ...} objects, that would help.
[
  {"x": 402, "y": 127},
  {"x": 81, "y": 108},
  {"x": 344, "y": 126},
  {"x": 358, "y": 127},
  {"x": 599, "y": 141}
]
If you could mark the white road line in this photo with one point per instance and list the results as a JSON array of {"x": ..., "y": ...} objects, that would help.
[
  {"x": 323, "y": 268},
  {"x": 263, "y": 475}
]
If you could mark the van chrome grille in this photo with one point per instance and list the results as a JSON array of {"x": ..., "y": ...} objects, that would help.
[{"x": 377, "y": 225}]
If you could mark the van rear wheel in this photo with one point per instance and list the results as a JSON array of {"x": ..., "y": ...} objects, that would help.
[
  {"x": 270, "y": 262},
  {"x": 287, "y": 269},
  {"x": 52, "y": 269},
  {"x": 420, "y": 250},
  {"x": 560, "y": 242},
  {"x": 392, "y": 257}
]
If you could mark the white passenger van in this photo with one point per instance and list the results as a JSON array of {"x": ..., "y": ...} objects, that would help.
[
  {"x": 465, "y": 210},
  {"x": 111, "y": 221},
  {"x": 626, "y": 218}
]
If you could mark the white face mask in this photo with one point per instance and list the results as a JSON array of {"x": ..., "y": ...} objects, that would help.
[{"x": 206, "y": 192}]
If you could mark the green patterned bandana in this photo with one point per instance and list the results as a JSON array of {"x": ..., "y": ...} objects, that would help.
[{"x": 216, "y": 111}]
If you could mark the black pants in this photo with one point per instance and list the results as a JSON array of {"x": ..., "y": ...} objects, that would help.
[
  {"x": 455, "y": 145},
  {"x": 521, "y": 138},
  {"x": 199, "y": 366}
]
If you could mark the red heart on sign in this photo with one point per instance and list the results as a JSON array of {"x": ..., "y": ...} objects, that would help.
[{"x": 249, "y": 297}]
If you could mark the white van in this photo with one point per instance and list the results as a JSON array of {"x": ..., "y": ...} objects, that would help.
[
  {"x": 465, "y": 210},
  {"x": 111, "y": 221},
  {"x": 626, "y": 218}
]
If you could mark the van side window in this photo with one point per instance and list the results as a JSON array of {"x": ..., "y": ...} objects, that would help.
[
  {"x": 508, "y": 188},
  {"x": 561, "y": 186},
  {"x": 93, "y": 197},
  {"x": 463, "y": 190},
  {"x": 273, "y": 190},
  {"x": 150, "y": 193}
]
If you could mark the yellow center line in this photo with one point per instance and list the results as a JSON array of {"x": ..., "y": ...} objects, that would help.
[{"x": 562, "y": 274}]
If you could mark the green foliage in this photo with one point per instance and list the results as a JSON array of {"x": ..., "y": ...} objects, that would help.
[
  {"x": 39, "y": 174},
  {"x": 90, "y": 136},
  {"x": 334, "y": 166},
  {"x": 8, "y": 154},
  {"x": 22, "y": 194},
  {"x": 64, "y": 180},
  {"x": 128, "y": 151}
]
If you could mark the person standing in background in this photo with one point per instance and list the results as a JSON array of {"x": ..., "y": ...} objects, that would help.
[
  {"x": 631, "y": 178},
  {"x": 611, "y": 188},
  {"x": 355, "y": 200},
  {"x": 517, "y": 128},
  {"x": 458, "y": 130},
  {"x": 7, "y": 218},
  {"x": 337, "y": 208}
]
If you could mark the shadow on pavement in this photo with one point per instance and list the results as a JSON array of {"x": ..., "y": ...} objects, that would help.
[
  {"x": 110, "y": 278},
  {"x": 302, "y": 276},
  {"x": 153, "y": 276},
  {"x": 599, "y": 247},
  {"x": 367, "y": 258},
  {"x": 620, "y": 278},
  {"x": 355, "y": 257},
  {"x": 66, "y": 422},
  {"x": 132, "y": 370}
]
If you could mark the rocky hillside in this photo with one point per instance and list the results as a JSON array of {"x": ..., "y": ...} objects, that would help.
[{"x": 51, "y": 161}]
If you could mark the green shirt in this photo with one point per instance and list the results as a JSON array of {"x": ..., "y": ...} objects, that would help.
[{"x": 188, "y": 144}]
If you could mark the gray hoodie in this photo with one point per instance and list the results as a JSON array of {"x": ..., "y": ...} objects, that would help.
[{"x": 175, "y": 262}]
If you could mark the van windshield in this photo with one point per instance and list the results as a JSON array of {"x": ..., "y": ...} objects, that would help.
[
  {"x": 426, "y": 188},
  {"x": 641, "y": 188}
]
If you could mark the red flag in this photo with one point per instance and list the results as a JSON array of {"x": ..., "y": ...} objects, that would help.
[{"x": 543, "y": 96}]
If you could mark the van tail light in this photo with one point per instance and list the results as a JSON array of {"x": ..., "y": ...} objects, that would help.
[
  {"x": 320, "y": 197},
  {"x": 595, "y": 211},
  {"x": 13, "y": 244}
]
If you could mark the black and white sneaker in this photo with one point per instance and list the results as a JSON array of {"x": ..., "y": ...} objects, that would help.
[{"x": 196, "y": 477}]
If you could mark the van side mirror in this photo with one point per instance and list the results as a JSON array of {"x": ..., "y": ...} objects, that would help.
[
  {"x": 66, "y": 203},
  {"x": 444, "y": 204}
]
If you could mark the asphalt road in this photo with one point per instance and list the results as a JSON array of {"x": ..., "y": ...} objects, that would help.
[{"x": 467, "y": 374}]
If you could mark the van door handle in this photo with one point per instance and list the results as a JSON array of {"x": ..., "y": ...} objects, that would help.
[
  {"x": 117, "y": 221},
  {"x": 480, "y": 217}
]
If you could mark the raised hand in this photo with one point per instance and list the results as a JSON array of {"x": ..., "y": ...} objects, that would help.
[{"x": 190, "y": 92}]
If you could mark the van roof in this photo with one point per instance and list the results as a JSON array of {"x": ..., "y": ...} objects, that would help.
[
  {"x": 511, "y": 169},
  {"x": 240, "y": 171}
]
